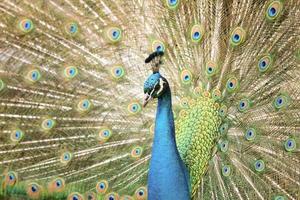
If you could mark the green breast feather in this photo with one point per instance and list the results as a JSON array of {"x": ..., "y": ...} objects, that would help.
[{"x": 196, "y": 134}]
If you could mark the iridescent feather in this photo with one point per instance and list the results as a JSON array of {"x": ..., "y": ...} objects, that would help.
[{"x": 71, "y": 79}]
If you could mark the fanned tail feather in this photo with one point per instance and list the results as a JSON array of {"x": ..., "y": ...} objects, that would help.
[{"x": 71, "y": 76}]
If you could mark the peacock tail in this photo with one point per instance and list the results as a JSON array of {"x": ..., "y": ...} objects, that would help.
[{"x": 71, "y": 79}]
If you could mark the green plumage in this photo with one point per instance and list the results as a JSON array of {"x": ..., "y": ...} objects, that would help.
[
  {"x": 71, "y": 79},
  {"x": 196, "y": 135}
]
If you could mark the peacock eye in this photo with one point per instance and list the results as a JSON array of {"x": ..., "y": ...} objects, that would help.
[
  {"x": 279, "y": 198},
  {"x": 118, "y": 72},
  {"x": 59, "y": 182},
  {"x": 158, "y": 45},
  {"x": 90, "y": 196},
  {"x": 34, "y": 75},
  {"x": 186, "y": 77},
  {"x": 56, "y": 185},
  {"x": 184, "y": 102},
  {"x": 11, "y": 178},
  {"x": 136, "y": 152},
  {"x": 70, "y": 72},
  {"x": 232, "y": 84},
  {"x": 211, "y": 69},
  {"x": 259, "y": 165},
  {"x": 274, "y": 9},
  {"x": 112, "y": 196},
  {"x": 223, "y": 128},
  {"x": 16, "y": 135},
  {"x": 159, "y": 48},
  {"x": 114, "y": 34},
  {"x": 84, "y": 105},
  {"x": 281, "y": 101},
  {"x": 223, "y": 146},
  {"x": 197, "y": 33},
  {"x": 172, "y": 4},
  {"x": 238, "y": 36},
  {"x": 71, "y": 28},
  {"x": 102, "y": 186},
  {"x": 226, "y": 170},
  {"x": 290, "y": 144},
  {"x": 265, "y": 63},
  {"x": 104, "y": 134},
  {"x": 134, "y": 108},
  {"x": 250, "y": 134},
  {"x": 48, "y": 124},
  {"x": 223, "y": 111},
  {"x": 33, "y": 190},
  {"x": 216, "y": 94},
  {"x": 244, "y": 105},
  {"x": 75, "y": 196},
  {"x": 25, "y": 25},
  {"x": 66, "y": 157},
  {"x": 141, "y": 193}
]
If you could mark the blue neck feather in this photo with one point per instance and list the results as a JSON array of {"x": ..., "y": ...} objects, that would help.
[{"x": 168, "y": 177}]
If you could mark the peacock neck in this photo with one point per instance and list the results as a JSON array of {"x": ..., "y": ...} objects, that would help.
[
  {"x": 165, "y": 101},
  {"x": 167, "y": 171},
  {"x": 164, "y": 118}
]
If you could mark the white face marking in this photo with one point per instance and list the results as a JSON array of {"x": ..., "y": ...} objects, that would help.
[
  {"x": 161, "y": 85},
  {"x": 153, "y": 89}
]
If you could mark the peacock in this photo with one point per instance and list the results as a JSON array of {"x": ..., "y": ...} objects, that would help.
[
  {"x": 166, "y": 167},
  {"x": 224, "y": 115}
]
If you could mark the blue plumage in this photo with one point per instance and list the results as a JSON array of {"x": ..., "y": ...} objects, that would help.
[{"x": 168, "y": 177}]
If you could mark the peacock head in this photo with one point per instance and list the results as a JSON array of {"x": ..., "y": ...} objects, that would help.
[{"x": 154, "y": 87}]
